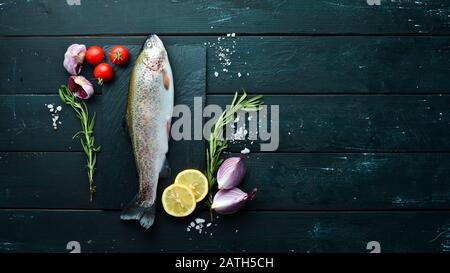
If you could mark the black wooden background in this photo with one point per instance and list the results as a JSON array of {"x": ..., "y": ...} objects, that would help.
[{"x": 364, "y": 132}]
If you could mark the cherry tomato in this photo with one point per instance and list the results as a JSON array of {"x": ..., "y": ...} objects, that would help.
[
  {"x": 94, "y": 55},
  {"x": 119, "y": 55},
  {"x": 103, "y": 72}
]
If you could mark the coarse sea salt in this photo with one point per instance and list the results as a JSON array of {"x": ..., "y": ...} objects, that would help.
[
  {"x": 199, "y": 220},
  {"x": 198, "y": 225},
  {"x": 54, "y": 110},
  {"x": 245, "y": 151},
  {"x": 224, "y": 49},
  {"x": 240, "y": 134}
]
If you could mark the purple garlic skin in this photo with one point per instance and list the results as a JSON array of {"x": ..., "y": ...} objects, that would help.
[
  {"x": 80, "y": 87},
  {"x": 230, "y": 201},
  {"x": 73, "y": 58},
  {"x": 231, "y": 173}
]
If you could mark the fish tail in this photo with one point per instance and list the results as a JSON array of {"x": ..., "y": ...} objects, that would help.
[
  {"x": 148, "y": 217},
  {"x": 135, "y": 210}
]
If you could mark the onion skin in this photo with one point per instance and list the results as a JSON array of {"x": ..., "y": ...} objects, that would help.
[
  {"x": 230, "y": 201},
  {"x": 81, "y": 87},
  {"x": 231, "y": 173},
  {"x": 73, "y": 58}
]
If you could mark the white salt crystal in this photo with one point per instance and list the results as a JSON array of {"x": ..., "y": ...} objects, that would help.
[
  {"x": 192, "y": 224},
  {"x": 51, "y": 109},
  {"x": 59, "y": 108},
  {"x": 239, "y": 74},
  {"x": 240, "y": 134},
  {"x": 233, "y": 34},
  {"x": 245, "y": 151},
  {"x": 199, "y": 220},
  {"x": 188, "y": 229},
  {"x": 50, "y": 106},
  {"x": 208, "y": 225},
  {"x": 216, "y": 74}
]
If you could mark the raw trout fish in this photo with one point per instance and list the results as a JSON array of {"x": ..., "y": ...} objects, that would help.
[{"x": 149, "y": 114}]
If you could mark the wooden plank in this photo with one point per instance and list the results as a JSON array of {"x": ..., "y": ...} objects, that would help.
[
  {"x": 296, "y": 17},
  {"x": 335, "y": 64},
  {"x": 116, "y": 162},
  {"x": 308, "y": 123},
  {"x": 334, "y": 123},
  {"x": 50, "y": 231},
  {"x": 293, "y": 65},
  {"x": 44, "y": 180},
  {"x": 348, "y": 181},
  {"x": 284, "y": 181},
  {"x": 26, "y": 123}
]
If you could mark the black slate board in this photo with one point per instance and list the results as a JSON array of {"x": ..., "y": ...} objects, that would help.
[
  {"x": 58, "y": 179},
  {"x": 116, "y": 166}
]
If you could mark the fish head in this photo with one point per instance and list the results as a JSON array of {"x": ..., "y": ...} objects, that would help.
[
  {"x": 153, "y": 43},
  {"x": 155, "y": 53}
]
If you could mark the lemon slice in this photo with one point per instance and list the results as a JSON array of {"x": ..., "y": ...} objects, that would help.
[
  {"x": 178, "y": 200},
  {"x": 194, "y": 180}
]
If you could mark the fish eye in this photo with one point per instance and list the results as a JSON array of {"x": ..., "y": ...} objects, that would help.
[{"x": 149, "y": 44}]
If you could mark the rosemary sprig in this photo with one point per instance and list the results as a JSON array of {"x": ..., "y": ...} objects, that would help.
[
  {"x": 217, "y": 143},
  {"x": 87, "y": 140}
]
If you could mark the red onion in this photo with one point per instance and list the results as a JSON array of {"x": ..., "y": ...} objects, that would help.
[
  {"x": 230, "y": 201},
  {"x": 80, "y": 87},
  {"x": 73, "y": 58},
  {"x": 231, "y": 173}
]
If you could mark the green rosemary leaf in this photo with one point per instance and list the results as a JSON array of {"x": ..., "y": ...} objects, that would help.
[{"x": 87, "y": 140}]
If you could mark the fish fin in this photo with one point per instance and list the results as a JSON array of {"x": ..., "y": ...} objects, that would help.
[
  {"x": 168, "y": 127},
  {"x": 133, "y": 211},
  {"x": 148, "y": 217},
  {"x": 165, "y": 170},
  {"x": 125, "y": 127},
  {"x": 166, "y": 79}
]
